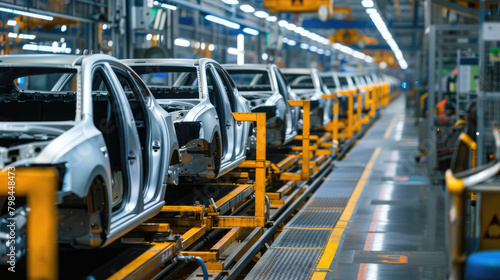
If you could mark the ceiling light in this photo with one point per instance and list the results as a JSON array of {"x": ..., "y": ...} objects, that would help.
[
  {"x": 328, "y": 53},
  {"x": 282, "y": 23},
  {"x": 251, "y": 31},
  {"x": 11, "y": 22},
  {"x": 149, "y": 37},
  {"x": 367, "y": 3},
  {"x": 265, "y": 56},
  {"x": 64, "y": 28},
  {"x": 320, "y": 51},
  {"x": 369, "y": 59},
  {"x": 247, "y": 8},
  {"x": 211, "y": 47},
  {"x": 261, "y": 14},
  {"x": 271, "y": 18},
  {"x": 222, "y": 21},
  {"x": 299, "y": 30},
  {"x": 28, "y": 14},
  {"x": 313, "y": 48},
  {"x": 371, "y": 11},
  {"x": 292, "y": 42},
  {"x": 304, "y": 46},
  {"x": 182, "y": 42},
  {"x": 291, "y": 26},
  {"x": 337, "y": 46},
  {"x": 233, "y": 51},
  {"x": 231, "y": 2}
]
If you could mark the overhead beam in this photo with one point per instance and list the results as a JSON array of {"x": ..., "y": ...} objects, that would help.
[{"x": 465, "y": 11}]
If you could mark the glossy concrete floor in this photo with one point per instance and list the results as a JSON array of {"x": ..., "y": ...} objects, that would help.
[{"x": 397, "y": 229}]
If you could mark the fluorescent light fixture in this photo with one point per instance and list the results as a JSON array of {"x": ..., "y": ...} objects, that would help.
[
  {"x": 44, "y": 48},
  {"x": 282, "y": 23},
  {"x": 167, "y": 6},
  {"x": 231, "y": 2},
  {"x": 313, "y": 48},
  {"x": 28, "y": 14},
  {"x": 247, "y": 8},
  {"x": 233, "y": 51},
  {"x": 251, "y": 31},
  {"x": 320, "y": 51},
  {"x": 11, "y": 22},
  {"x": 21, "y": 36},
  {"x": 261, "y": 14},
  {"x": 292, "y": 42},
  {"x": 369, "y": 59},
  {"x": 306, "y": 33},
  {"x": 328, "y": 53},
  {"x": 291, "y": 27},
  {"x": 386, "y": 34},
  {"x": 346, "y": 49},
  {"x": 240, "y": 42},
  {"x": 211, "y": 47},
  {"x": 337, "y": 46},
  {"x": 367, "y": 3},
  {"x": 182, "y": 42},
  {"x": 359, "y": 55},
  {"x": 304, "y": 46},
  {"x": 222, "y": 21},
  {"x": 299, "y": 30},
  {"x": 271, "y": 18},
  {"x": 26, "y": 36}
]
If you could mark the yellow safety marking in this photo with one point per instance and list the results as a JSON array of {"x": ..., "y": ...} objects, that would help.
[
  {"x": 335, "y": 236},
  {"x": 294, "y": 248},
  {"x": 308, "y": 228},
  {"x": 389, "y": 128},
  {"x": 394, "y": 259}
]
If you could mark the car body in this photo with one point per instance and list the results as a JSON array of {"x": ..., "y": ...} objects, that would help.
[
  {"x": 267, "y": 91},
  {"x": 307, "y": 84},
  {"x": 346, "y": 83},
  {"x": 201, "y": 96},
  {"x": 95, "y": 120}
]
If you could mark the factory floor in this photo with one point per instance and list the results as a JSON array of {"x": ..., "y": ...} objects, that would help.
[{"x": 376, "y": 216}]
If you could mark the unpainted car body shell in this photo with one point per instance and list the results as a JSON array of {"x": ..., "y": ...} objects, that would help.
[{"x": 81, "y": 147}]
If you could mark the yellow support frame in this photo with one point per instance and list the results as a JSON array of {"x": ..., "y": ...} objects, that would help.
[
  {"x": 260, "y": 165},
  {"x": 306, "y": 124},
  {"x": 39, "y": 186},
  {"x": 348, "y": 131}
]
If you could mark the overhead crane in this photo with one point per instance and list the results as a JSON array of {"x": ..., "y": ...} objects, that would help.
[{"x": 225, "y": 231}]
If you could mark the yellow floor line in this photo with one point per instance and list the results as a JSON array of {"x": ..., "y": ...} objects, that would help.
[
  {"x": 389, "y": 128},
  {"x": 330, "y": 250}
]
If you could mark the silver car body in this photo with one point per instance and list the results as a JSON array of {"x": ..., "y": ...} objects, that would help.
[
  {"x": 274, "y": 93},
  {"x": 307, "y": 84},
  {"x": 115, "y": 161},
  {"x": 226, "y": 136}
]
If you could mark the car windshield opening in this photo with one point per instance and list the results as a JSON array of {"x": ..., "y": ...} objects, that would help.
[{"x": 170, "y": 82}]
